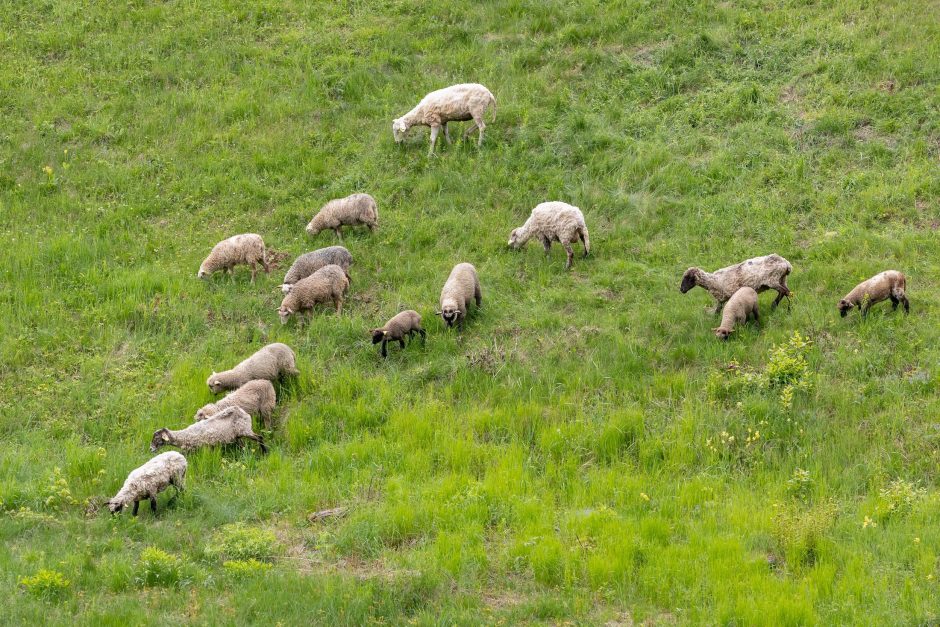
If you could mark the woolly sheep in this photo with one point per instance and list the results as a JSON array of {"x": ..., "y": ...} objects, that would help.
[
  {"x": 888, "y": 284},
  {"x": 553, "y": 222},
  {"x": 256, "y": 397},
  {"x": 147, "y": 481},
  {"x": 353, "y": 210},
  {"x": 246, "y": 249},
  {"x": 405, "y": 323},
  {"x": 462, "y": 285},
  {"x": 457, "y": 103},
  {"x": 329, "y": 283},
  {"x": 271, "y": 362},
  {"x": 225, "y": 427},
  {"x": 308, "y": 263},
  {"x": 760, "y": 273},
  {"x": 741, "y": 306}
]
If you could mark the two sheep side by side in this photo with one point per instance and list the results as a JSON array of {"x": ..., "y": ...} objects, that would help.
[
  {"x": 889, "y": 284},
  {"x": 257, "y": 398},
  {"x": 462, "y": 286},
  {"x": 149, "y": 480},
  {"x": 246, "y": 249},
  {"x": 760, "y": 274},
  {"x": 457, "y": 103},
  {"x": 554, "y": 222},
  {"x": 353, "y": 210},
  {"x": 225, "y": 427},
  {"x": 741, "y": 306},
  {"x": 328, "y": 284},
  {"x": 405, "y": 323},
  {"x": 271, "y": 362},
  {"x": 308, "y": 263}
]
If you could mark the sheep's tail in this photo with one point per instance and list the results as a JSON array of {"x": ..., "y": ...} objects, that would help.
[{"x": 586, "y": 239}]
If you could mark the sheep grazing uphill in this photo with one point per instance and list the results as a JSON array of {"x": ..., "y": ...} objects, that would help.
[
  {"x": 760, "y": 274},
  {"x": 256, "y": 397},
  {"x": 354, "y": 210},
  {"x": 554, "y": 222},
  {"x": 271, "y": 362},
  {"x": 308, "y": 263},
  {"x": 328, "y": 284},
  {"x": 457, "y": 103},
  {"x": 462, "y": 285},
  {"x": 225, "y": 427},
  {"x": 146, "y": 482},
  {"x": 246, "y": 249},
  {"x": 741, "y": 306},
  {"x": 406, "y": 323},
  {"x": 888, "y": 284}
]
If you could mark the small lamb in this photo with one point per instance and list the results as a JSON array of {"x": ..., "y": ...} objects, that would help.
[
  {"x": 327, "y": 284},
  {"x": 225, "y": 427},
  {"x": 247, "y": 249},
  {"x": 462, "y": 285},
  {"x": 146, "y": 482},
  {"x": 271, "y": 362},
  {"x": 759, "y": 273},
  {"x": 888, "y": 284},
  {"x": 353, "y": 210},
  {"x": 457, "y": 103},
  {"x": 308, "y": 263},
  {"x": 406, "y": 323},
  {"x": 553, "y": 222},
  {"x": 256, "y": 397},
  {"x": 741, "y": 306}
]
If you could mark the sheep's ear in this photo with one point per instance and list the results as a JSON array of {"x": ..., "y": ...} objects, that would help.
[{"x": 165, "y": 436}]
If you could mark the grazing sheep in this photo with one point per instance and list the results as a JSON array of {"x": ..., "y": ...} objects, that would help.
[
  {"x": 888, "y": 284},
  {"x": 462, "y": 285},
  {"x": 406, "y": 323},
  {"x": 759, "y": 273},
  {"x": 247, "y": 249},
  {"x": 256, "y": 397},
  {"x": 741, "y": 306},
  {"x": 225, "y": 427},
  {"x": 457, "y": 103},
  {"x": 354, "y": 210},
  {"x": 308, "y": 263},
  {"x": 149, "y": 480},
  {"x": 329, "y": 283},
  {"x": 271, "y": 362},
  {"x": 554, "y": 222}
]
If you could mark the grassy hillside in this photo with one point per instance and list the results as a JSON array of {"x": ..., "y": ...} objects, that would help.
[{"x": 586, "y": 450}]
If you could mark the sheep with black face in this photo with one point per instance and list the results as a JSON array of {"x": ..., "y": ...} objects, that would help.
[{"x": 462, "y": 286}]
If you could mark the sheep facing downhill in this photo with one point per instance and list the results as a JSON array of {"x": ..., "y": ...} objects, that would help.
[
  {"x": 147, "y": 481},
  {"x": 225, "y": 427},
  {"x": 405, "y": 323},
  {"x": 328, "y": 284},
  {"x": 457, "y": 103},
  {"x": 271, "y": 362},
  {"x": 353, "y": 210},
  {"x": 741, "y": 306},
  {"x": 554, "y": 222},
  {"x": 461, "y": 286},
  {"x": 888, "y": 284},
  {"x": 308, "y": 263},
  {"x": 246, "y": 249},
  {"x": 257, "y": 398},
  {"x": 760, "y": 274}
]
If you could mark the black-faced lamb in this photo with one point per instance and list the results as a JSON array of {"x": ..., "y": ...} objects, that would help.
[
  {"x": 257, "y": 398},
  {"x": 760, "y": 274},
  {"x": 147, "y": 481},
  {"x": 405, "y": 323},
  {"x": 246, "y": 249},
  {"x": 554, "y": 222},
  {"x": 353, "y": 210},
  {"x": 328, "y": 284},
  {"x": 457, "y": 103},
  {"x": 741, "y": 306},
  {"x": 225, "y": 427},
  {"x": 308, "y": 263},
  {"x": 271, "y": 362},
  {"x": 888, "y": 284},
  {"x": 462, "y": 285}
]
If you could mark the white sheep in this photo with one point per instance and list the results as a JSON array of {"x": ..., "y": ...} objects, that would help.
[
  {"x": 246, "y": 249},
  {"x": 457, "y": 103},
  {"x": 353, "y": 210},
  {"x": 888, "y": 284},
  {"x": 256, "y": 397},
  {"x": 554, "y": 222},
  {"x": 741, "y": 306},
  {"x": 405, "y": 323},
  {"x": 147, "y": 481},
  {"x": 462, "y": 285},
  {"x": 328, "y": 284},
  {"x": 308, "y": 263},
  {"x": 225, "y": 427},
  {"x": 760, "y": 274},
  {"x": 271, "y": 362}
]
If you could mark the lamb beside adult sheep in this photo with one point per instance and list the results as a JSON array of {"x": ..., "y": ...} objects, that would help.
[
  {"x": 271, "y": 362},
  {"x": 246, "y": 249},
  {"x": 741, "y": 306},
  {"x": 760, "y": 274},
  {"x": 328, "y": 284},
  {"x": 888, "y": 284},
  {"x": 554, "y": 222},
  {"x": 457, "y": 103},
  {"x": 256, "y": 397},
  {"x": 149, "y": 480},
  {"x": 462, "y": 285},
  {"x": 225, "y": 427},
  {"x": 353, "y": 210},
  {"x": 308, "y": 263},
  {"x": 405, "y": 323}
]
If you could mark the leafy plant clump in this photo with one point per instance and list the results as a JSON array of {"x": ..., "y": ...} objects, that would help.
[
  {"x": 159, "y": 568},
  {"x": 786, "y": 372},
  {"x": 241, "y": 542},
  {"x": 45, "y": 583}
]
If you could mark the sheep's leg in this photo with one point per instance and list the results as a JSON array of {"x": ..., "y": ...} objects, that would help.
[
  {"x": 756, "y": 316},
  {"x": 547, "y": 245},
  {"x": 470, "y": 128},
  {"x": 339, "y": 233},
  {"x": 435, "y": 130},
  {"x": 384, "y": 351},
  {"x": 477, "y": 295},
  {"x": 339, "y": 305},
  {"x": 136, "y": 506},
  {"x": 907, "y": 305},
  {"x": 570, "y": 252},
  {"x": 424, "y": 335},
  {"x": 894, "y": 303},
  {"x": 265, "y": 417},
  {"x": 480, "y": 125},
  {"x": 153, "y": 504},
  {"x": 254, "y": 271},
  {"x": 447, "y": 134},
  {"x": 401, "y": 343}
]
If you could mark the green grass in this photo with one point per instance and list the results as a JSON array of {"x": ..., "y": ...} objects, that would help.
[{"x": 570, "y": 457}]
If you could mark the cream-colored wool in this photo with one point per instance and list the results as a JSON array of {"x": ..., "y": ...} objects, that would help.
[
  {"x": 353, "y": 210},
  {"x": 457, "y": 103},
  {"x": 256, "y": 397},
  {"x": 328, "y": 284},
  {"x": 147, "y": 481},
  {"x": 308, "y": 263},
  {"x": 888, "y": 284},
  {"x": 741, "y": 306},
  {"x": 554, "y": 222},
  {"x": 246, "y": 249},
  {"x": 271, "y": 362},
  {"x": 225, "y": 427},
  {"x": 462, "y": 285},
  {"x": 759, "y": 273}
]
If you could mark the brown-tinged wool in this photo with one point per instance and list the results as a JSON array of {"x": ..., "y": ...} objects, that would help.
[
  {"x": 353, "y": 210},
  {"x": 554, "y": 221},
  {"x": 741, "y": 306},
  {"x": 405, "y": 323},
  {"x": 271, "y": 362},
  {"x": 890, "y": 284},
  {"x": 457, "y": 103},
  {"x": 145, "y": 482},
  {"x": 257, "y": 398},
  {"x": 328, "y": 284},
  {"x": 308, "y": 263},
  {"x": 225, "y": 427},
  {"x": 246, "y": 249},
  {"x": 462, "y": 286},
  {"x": 760, "y": 274}
]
